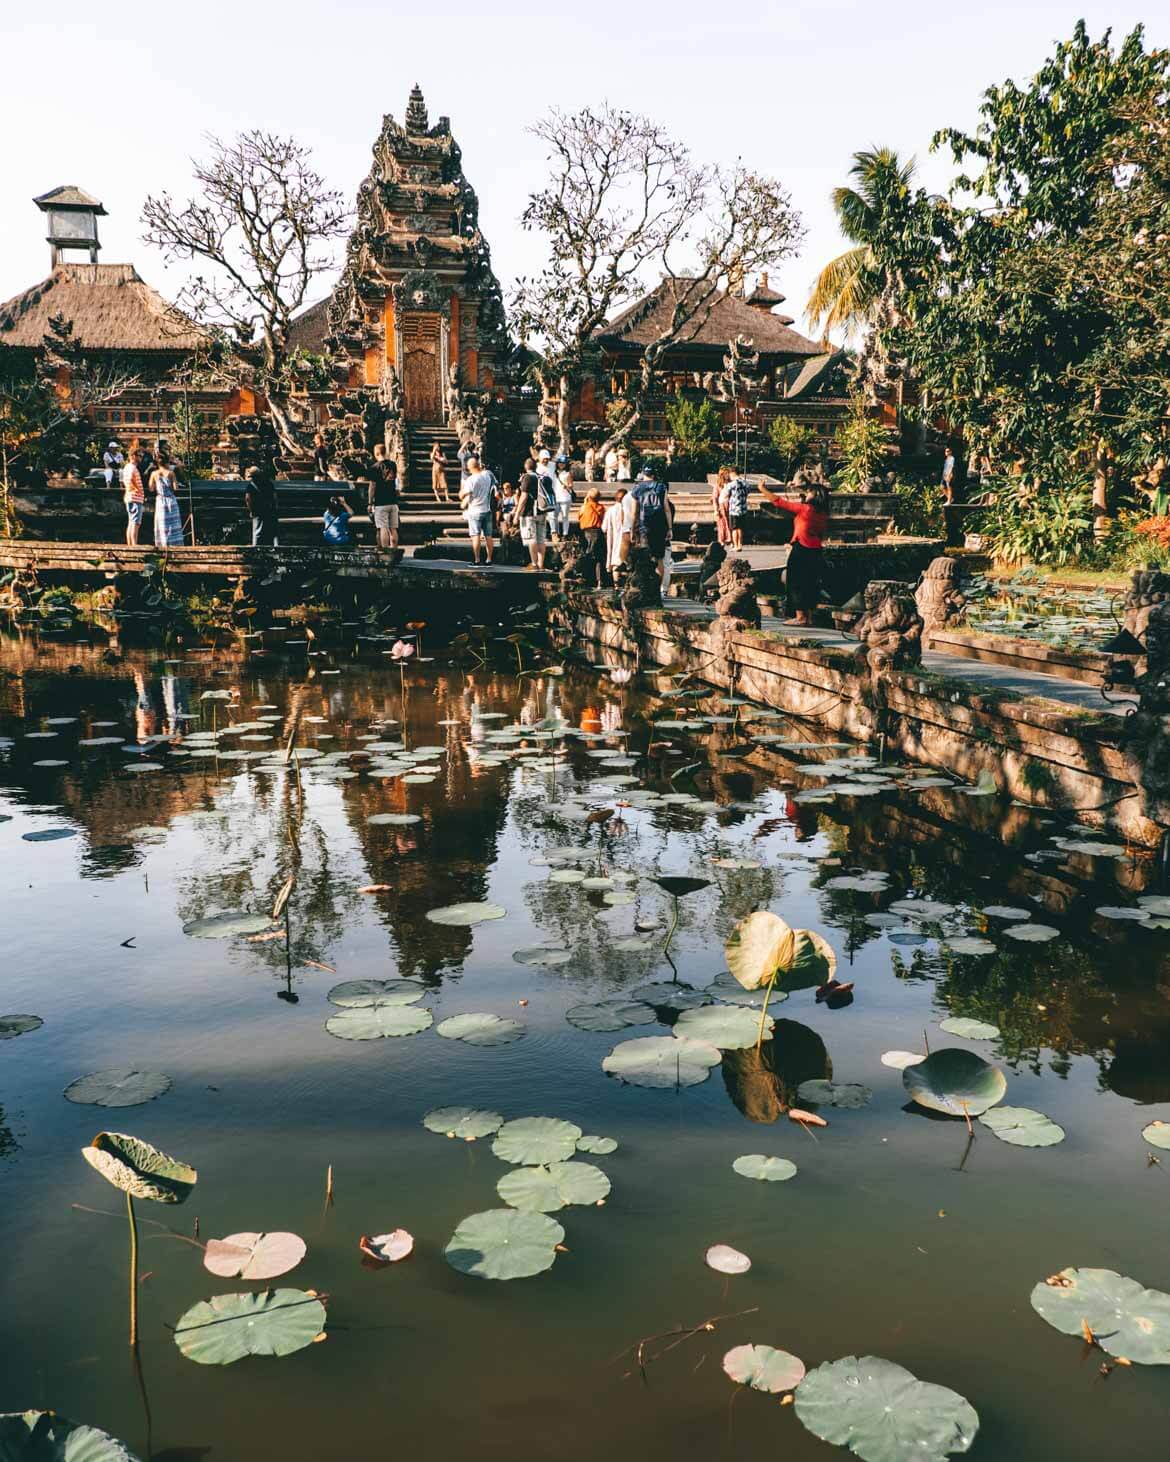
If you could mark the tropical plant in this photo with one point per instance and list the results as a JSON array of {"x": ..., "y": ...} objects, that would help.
[
  {"x": 763, "y": 947},
  {"x": 1030, "y": 522},
  {"x": 695, "y": 426},
  {"x": 864, "y": 442},
  {"x": 790, "y": 441}
]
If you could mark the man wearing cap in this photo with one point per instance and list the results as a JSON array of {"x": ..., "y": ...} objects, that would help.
[
  {"x": 546, "y": 489},
  {"x": 563, "y": 495},
  {"x": 112, "y": 463}
]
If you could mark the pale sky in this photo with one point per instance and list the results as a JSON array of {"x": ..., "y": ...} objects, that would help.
[{"x": 117, "y": 97}]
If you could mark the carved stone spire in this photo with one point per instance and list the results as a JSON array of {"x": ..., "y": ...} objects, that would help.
[{"x": 416, "y": 112}]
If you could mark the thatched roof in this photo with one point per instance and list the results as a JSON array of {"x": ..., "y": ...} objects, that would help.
[
  {"x": 816, "y": 374},
  {"x": 764, "y": 295},
  {"x": 109, "y": 306},
  {"x": 729, "y": 317},
  {"x": 309, "y": 329}
]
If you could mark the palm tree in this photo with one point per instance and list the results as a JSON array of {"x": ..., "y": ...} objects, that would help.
[{"x": 847, "y": 288}]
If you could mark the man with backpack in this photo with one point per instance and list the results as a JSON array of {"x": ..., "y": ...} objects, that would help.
[
  {"x": 546, "y": 490},
  {"x": 655, "y": 514}
]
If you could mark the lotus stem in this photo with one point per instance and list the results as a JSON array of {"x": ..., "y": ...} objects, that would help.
[
  {"x": 764, "y": 1012},
  {"x": 329, "y": 1184},
  {"x": 133, "y": 1271},
  {"x": 673, "y": 922}
]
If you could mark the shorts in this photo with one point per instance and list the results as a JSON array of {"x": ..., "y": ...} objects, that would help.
[
  {"x": 656, "y": 539},
  {"x": 386, "y": 518},
  {"x": 480, "y": 524},
  {"x": 534, "y": 530},
  {"x": 134, "y": 511}
]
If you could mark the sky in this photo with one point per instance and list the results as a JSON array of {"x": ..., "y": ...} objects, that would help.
[{"x": 118, "y": 98}]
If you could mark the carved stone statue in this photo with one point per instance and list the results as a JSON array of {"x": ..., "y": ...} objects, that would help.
[
  {"x": 393, "y": 396},
  {"x": 938, "y": 596},
  {"x": 713, "y": 561},
  {"x": 890, "y": 630},
  {"x": 1148, "y": 588},
  {"x": 737, "y": 594},
  {"x": 643, "y": 586}
]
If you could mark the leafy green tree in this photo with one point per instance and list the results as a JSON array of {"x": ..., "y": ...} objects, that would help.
[
  {"x": 695, "y": 426},
  {"x": 790, "y": 441},
  {"x": 863, "y": 442}
]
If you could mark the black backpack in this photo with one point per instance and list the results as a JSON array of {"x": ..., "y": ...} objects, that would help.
[{"x": 546, "y": 493}]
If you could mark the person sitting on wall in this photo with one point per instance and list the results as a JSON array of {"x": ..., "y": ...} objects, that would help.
[
  {"x": 383, "y": 498},
  {"x": 112, "y": 463},
  {"x": 260, "y": 505},
  {"x": 336, "y": 519}
]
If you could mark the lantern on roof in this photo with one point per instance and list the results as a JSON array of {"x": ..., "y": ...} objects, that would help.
[{"x": 72, "y": 216}]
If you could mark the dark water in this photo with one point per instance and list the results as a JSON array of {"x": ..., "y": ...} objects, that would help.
[{"x": 886, "y": 1242}]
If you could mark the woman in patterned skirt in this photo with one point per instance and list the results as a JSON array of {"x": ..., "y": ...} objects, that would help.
[{"x": 168, "y": 517}]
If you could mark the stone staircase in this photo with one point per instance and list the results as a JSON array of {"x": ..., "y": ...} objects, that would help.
[{"x": 418, "y": 476}]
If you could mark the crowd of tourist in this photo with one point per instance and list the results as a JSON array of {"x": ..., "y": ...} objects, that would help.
[{"x": 142, "y": 470}]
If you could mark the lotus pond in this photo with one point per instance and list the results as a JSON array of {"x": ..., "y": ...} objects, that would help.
[{"x": 419, "y": 1012}]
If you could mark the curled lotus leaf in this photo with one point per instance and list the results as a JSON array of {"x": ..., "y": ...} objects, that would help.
[
  {"x": 228, "y": 1327},
  {"x": 44, "y": 1436},
  {"x": 765, "y": 1169},
  {"x": 377, "y": 1022},
  {"x": 227, "y": 926},
  {"x": 546, "y": 1189},
  {"x": 469, "y": 1123},
  {"x": 761, "y": 946},
  {"x": 139, "y": 1169},
  {"x": 462, "y": 916},
  {"x": 611, "y": 1015},
  {"x": 598, "y": 1146},
  {"x": 12, "y": 1026},
  {"x": 1023, "y": 1127},
  {"x": 763, "y": 1368},
  {"x": 1157, "y": 1134},
  {"x": 253, "y": 1256},
  {"x": 679, "y": 885},
  {"x": 730, "y": 1027},
  {"x": 814, "y": 961},
  {"x": 662, "y": 1061},
  {"x": 363, "y": 994},
  {"x": 883, "y": 1412},
  {"x": 480, "y": 1028},
  {"x": 536, "y": 1141},
  {"x": 849, "y": 1095},
  {"x": 121, "y": 1086},
  {"x": 389, "y": 1248},
  {"x": 971, "y": 1030},
  {"x": 956, "y": 1082},
  {"x": 726, "y": 1260},
  {"x": 1125, "y": 1318},
  {"x": 504, "y": 1243}
]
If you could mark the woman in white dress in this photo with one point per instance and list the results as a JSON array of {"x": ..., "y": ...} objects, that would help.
[{"x": 168, "y": 517}]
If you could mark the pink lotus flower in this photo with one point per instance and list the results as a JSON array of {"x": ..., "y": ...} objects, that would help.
[
  {"x": 621, "y": 677},
  {"x": 401, "y": 650}
]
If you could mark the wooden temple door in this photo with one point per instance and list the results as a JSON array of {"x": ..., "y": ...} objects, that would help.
[{"x": 421, "y": 368}]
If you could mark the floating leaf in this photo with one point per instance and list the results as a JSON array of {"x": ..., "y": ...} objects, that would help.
[
  {"x": 533, "y": 1141},
  {"x": 928, "y": 909},
  {"x": 730, "y": 1027},
  {"x": 727, "y": 1260},
  {"x": 544, "y": 956},
  {"x": 678, "y": 885},
  {"x": 763, "y": 1369},
  {"x": 363, "y": 994},
  {"x": 662, "y": 1061},
  {"x": 460, "y": 916},
  {"x": 44, "y": 1436},
  {"x": 227, "y": 926},
  {"x": 899, "y": 1060},
  {"x": 122, "y": 1086},
  {"x": 667, "y": 995},
  {"x": 765, "y": 1169},
  {"x": 479, "y": 1028},
  {"x": 1023, "y": 1127},
  {"x": 1031, "y": 933},
  {"x": 504, "y": 1243},
  {"x": 814, "y": 961},
  {"x": 971, "y": 1030},
  {"x": 394, "y": 819},
  {"x": 546, "y": 1189},
  {"x": 846, "y": 1094},
  {"x": 12, "y": 1026},
  {"x": 49, "y": 834},
  {"x": 956, "y": 1082},
  {"x": 726, "y": 988},
  {"x": 376, "y": 1022},
  {"x": 969, "y": 944},
  {"x": 253, "y": 1256},
  {"x": 228, "y": 1327},
  {"x": 599, "y": 1146},
  {"x": 466, "y": 1122},
  {"x": 1124, "y": 1318},
  {"x": 883, "y": 1413},
  {"x": 139, "y": 1169},
  {"x": 761, "y": 945},
  {"x": 1157, "y": 1134},
  {"x": 387, "y": 1248},
  {"x": 614, "y": 1014},
  {"x": 1006, "y": 911}
]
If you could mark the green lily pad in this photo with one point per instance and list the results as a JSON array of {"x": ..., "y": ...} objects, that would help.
[
  {"x": 764, "y": 1169},
  {"x": 725, "y": 989},
  {"x": 122, "y": 1086},
  {"x": 956, "y": 1082},
  {"x": 375, "y": 1022},
  {"x": 730, "y": 1027},
  {"x": 504, "y": 1243},
  {"x": 678, "y": 885},
  {"x": 43, "y": 1436},
  {"x": 536, "y": 1141},
  {"x": 1157, "y": 1134},
  {"x": 227, "y": 926},
  {"x": 666, "y": 995},
  {"x": 598, "y": 1146},
  {"x": 49, "y": 834},
  {"x": 849, "y": 1095},
  {"x": 546, "y": 1189},
  {"x": 763, "y": 1368},
  {"x": 139, "y": 1169},
  {"x": 614, "y": 1014},
  {"x": 479, "y": 1028},
  {"x": 883, "y": 1413},
  {"x": 12, "y": 1026},
  {"x": 363, "y": 994},
  {"x": 461, "y": 916},
  {"x": 970, "y": 944},
  {"x": 1126, "y": 1319},
  {"x": 1023, "y": 1127},
  {"x": 544, "y": 956},
  {"x": 1031, "y": 933},
  {"x": 662, "y": 1061},
  {"x": 971, "y": 1030},
  {"x": 228, "y": 1327},
  {"x": 466, "y": 1122}
]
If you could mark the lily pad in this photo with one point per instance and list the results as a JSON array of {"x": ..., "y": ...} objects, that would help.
[
  {"x": 883, "y": 1413},
  {"x": 598, "y": 1146},
  {"x": 849, "y": 1095},
  {"x": 899, "y": 1060},
  {"x": 927, "y": 909},
  {"x": 122, "y": 1086},
  {"x": 1125, "y": 1318},
  {"x": 49, "y": 834},
  {"x": 1032, "y": 933},
  {"x": 1006, "y": 911},
  {"x": 504, "y": 1243},
  {"x": 678, "y": 885},
  {"x": 666, "y": 995},
  {"x": 956, "y": 1082},
  {"x": 479, "y": 1028},
  {"x": 362, "y": 994},
  {"x": 544, "y": 956},
  {"x": 727, "y": 1260},
  {"x": 461, "y": 916},
  {"x": 394, "y": 819},
  {"x": 1023, "y": 1127},
  {"x": 971, "y": 1030},
  {"x": 546, "y": 1189},
  {"x": 730, "y": 1027},
  {"x": 763, "y": 1368},
  {"x": 662, "y": 1061},
  {"x": 44, "y": 1436},
  {"x": 227, "y": 926},
  {"x": 466, "y": 1122},
  {"x": 765, "y": 1169},
  {"x": 228, "y": 1327},
  {"x": 12, "y": 1026},
  {"x": 390, "y": 1248},
  {"x": 139, "y": 1169},
  {"x": 614, "y": 1014},
  {"x": 375, "y": 1022},
  {"x": 253, "y": 1256},
  {"x": 533, "y": 1141},
  {"x": 970, "y": 944},
  {"x": 1157, "y": 1134}
]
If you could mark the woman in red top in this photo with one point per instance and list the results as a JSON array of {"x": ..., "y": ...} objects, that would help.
[{"x": 802, "y": 580}]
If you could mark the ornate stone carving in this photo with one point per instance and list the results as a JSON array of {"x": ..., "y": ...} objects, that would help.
[
  {"x": 938, "y": 596},
  {"x": 890, "y": 630},
  {"x": 1148, "y": 588},
  {"x": 643, "y": 585},
  {"x": 420, "y": 290},
  {"x": 737, "y": 594}
]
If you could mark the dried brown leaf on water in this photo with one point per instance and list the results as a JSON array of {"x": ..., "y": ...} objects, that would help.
[
  {"x": 315, "y": 964},
  {"x": 810, "y": 1119},
  {"x": 377, "y": 888},
  {"x": 264, "y": 938}
]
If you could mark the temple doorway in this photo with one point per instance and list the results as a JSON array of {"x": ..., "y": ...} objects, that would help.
[{"x": 421, "y": 369}]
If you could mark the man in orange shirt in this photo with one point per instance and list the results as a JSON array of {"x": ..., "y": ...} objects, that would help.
[{"x": 589, "y": 521}]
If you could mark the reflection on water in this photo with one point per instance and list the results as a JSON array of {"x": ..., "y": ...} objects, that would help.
[{"x": 403, "y": 793}]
